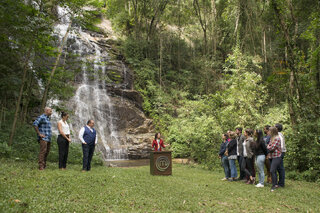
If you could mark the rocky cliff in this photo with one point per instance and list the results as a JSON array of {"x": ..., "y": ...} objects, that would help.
[{"x": 104, "y": 93}]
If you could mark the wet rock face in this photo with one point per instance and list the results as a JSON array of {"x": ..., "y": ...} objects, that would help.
[
  {"x": 130, "y": 95},
  {"x": 104, "y": 93},
  {"x": 140, "y": 145},
  {"x": 136, "y": 130}
]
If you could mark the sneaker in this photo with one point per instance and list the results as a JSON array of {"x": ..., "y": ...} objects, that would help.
[
  {"x": 224, "y": 179},
  {"x": 272, "y": 189},
  {"x": 259, "y": 185}
]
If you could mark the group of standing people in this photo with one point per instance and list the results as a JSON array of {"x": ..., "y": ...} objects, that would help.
[
  {"x": 87, "y": 135},
  {"x": 261, "y": 148}
]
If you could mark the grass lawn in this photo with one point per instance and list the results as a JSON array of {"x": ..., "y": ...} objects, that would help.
[{"x": 190, "y": 189}]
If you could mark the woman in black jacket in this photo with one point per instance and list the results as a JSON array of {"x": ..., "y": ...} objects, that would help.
[
  {"x": 248, "y": 162},
  {"x": 232, "y": 155},
  {"x": 260, "y": 151}
]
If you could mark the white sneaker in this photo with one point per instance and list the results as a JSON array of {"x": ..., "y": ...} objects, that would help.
[
  {"x": 259, "y": 185},
  {"x": 224, "y": 179}
]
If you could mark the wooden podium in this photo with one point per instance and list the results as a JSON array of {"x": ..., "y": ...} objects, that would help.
[{"x": 160, "y": 163}]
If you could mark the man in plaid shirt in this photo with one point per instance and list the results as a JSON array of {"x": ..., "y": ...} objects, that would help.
[{"x": 42, "y": 125}]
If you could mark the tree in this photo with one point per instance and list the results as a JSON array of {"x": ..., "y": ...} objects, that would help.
[{"x": 45, "y": 94}]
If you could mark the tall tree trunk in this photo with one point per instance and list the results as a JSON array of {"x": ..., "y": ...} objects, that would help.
[
  {"x": 205, "y": 42},
  {"x": 237, "y": 21},
  {"x": 2, "y": 115},
  {"x": 179, "y": 31},
  {"x": 289, "y": 43},
  {"x": 45, "y": 94},
  {"x": 24, "y": 76},
  {"x": 26, "y": 104},
  {"x": 214, "y": 30},
  {"x": 264, "y": 47},
  {"x": 157, "y": 14},
  {"x": 136, "y": 20},
  {"x": 160, "y": 59},
  {"x": 203, "y": 23}
]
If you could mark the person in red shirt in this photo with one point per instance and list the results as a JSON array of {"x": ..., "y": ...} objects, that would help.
[{"x": 158, "y": 143}]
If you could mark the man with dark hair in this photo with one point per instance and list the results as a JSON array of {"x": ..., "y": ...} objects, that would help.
[
  {"x": 281, "y": 169},
  {"x": 240, "y": 139},
  {"x": 89, "y": 139},
  {"x": 266, "y": 140},
  {"x": 42, "y": 125}
]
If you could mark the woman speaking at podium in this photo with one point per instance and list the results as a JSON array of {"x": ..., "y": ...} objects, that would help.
[{"x": 158, "y": 142}]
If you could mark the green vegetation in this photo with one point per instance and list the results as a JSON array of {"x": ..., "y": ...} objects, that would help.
[
  {"x": 207, "y": 66},
  {"x": 190, "y": 189},
  {"x": 202, "y": 66}
]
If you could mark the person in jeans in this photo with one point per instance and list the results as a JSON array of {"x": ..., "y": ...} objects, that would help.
[
  {"x": 260, "y": 151},
  {"x": 63, "y": 140},
  {"x": 248, "y": 162},
  {"x": 223, "y": 157},
  {"x": 232, "y": 156},
  {"x": 88, "y": 137},
  {"x": 42, "y": 125},
  {"x": 274, "y": 155},
  {"x": 240, "y": 140},
  {"x": 281, "y": 169},
  {"x": 266, "y": 139}
]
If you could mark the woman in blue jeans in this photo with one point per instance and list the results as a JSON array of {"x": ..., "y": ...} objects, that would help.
[
  {"x": 232, "y": 156},
  {"x": 260, "y": 151},
  {"x": 223, "y": 157}
]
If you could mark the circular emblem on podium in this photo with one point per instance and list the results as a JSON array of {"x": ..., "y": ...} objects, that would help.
[{"x": 162, "y": 163}]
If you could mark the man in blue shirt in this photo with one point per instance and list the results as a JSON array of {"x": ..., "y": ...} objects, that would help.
[{"x": 42, "y": 125}]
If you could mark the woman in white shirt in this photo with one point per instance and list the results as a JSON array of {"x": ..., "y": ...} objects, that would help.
[{"x": 63, "y": 140}]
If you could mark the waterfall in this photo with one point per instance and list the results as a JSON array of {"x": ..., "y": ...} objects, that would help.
[{"x": 91, "y": 99}]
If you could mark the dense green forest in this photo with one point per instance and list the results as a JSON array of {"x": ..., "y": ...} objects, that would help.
[{"x": 202, "y": 66}]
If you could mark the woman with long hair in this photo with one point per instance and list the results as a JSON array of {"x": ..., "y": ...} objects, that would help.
[
  {"x": 63, "y": 140},
  {"x": 274, "y": 155},
  {"x": 260, "y": 151},
  {"x": 247, "y": 165},
  {"x": 158, "y": 143}
]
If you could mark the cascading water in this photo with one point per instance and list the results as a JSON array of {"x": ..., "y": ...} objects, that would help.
[{"x": 91, "y": 100}]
